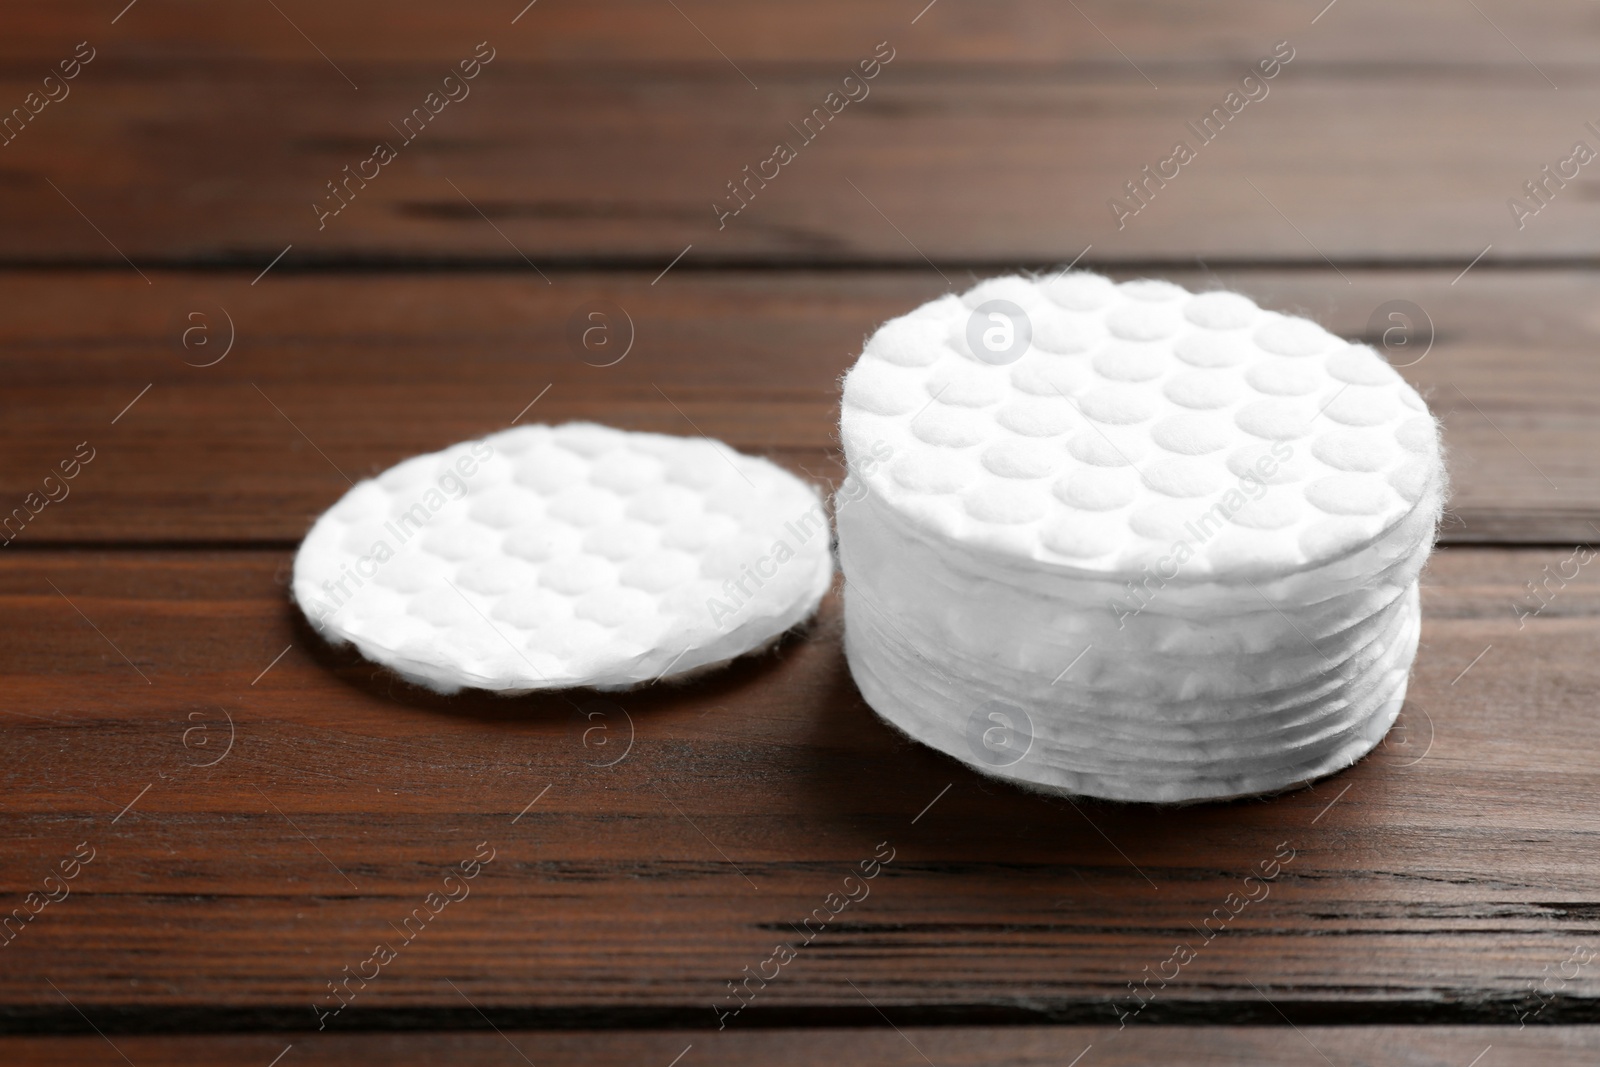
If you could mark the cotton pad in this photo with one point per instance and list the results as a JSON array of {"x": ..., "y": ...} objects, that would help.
[
  {"x": 546, "y": 557},
  {"x": 1133, "y": 542}
]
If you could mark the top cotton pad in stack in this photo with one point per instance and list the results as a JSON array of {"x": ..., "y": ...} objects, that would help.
[
  {"x": 546, "y": 557},
  {"x": 1131, "y": 542}
]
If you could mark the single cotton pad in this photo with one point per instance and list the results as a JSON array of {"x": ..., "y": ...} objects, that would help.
[
  {"x": 1132, "y": 420},
  {"x": 546, "y": 557},
  {"x": 1133, "y": 542}
]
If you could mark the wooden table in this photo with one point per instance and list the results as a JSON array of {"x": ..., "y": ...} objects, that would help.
[{"x": 214, "y": 353}]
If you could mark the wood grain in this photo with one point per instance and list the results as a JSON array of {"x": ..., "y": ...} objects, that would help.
[
  {"x": 263, "y": 809},
  {"x": 206, "y": 135},
  {"x": 879, "y": 1046},
  {"x": 1437, "y": 881},
  {"x": 640, "y": 31},
  {"x": 339, "y": 376}
]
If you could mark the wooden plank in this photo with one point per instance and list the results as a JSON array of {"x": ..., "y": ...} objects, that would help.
[
  {"x": 352, "y": 373},
  {"x": 1211, "y": 1046},
  {"x": 208, "y": 136},
  {"x": 1441, "y": 880},
  {"x": 638, "y": 31}
]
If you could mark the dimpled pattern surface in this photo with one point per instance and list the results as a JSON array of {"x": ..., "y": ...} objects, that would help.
[
  {"x": 547, "y": 557},
  {"x": 1134, "y": 414}
]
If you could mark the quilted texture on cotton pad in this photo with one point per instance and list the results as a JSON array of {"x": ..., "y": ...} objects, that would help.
[
  {"x": 1126, "y": 424},
  {"x": 547, "y": 557}
]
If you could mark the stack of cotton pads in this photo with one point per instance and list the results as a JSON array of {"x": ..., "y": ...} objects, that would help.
[
  {"x": 1130, "y": 542},
  {"x": 577, "y": 555}
]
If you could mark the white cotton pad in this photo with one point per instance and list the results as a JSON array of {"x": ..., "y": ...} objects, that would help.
[
  {"x": 1140, "y": 417},
  {"x": 547, "y": 557},
  {"x": 1175, "y": 537}
]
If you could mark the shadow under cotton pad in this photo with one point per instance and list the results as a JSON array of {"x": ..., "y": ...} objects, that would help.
[{"x": 547, "y": 557}]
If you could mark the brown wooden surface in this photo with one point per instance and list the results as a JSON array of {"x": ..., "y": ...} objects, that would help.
[
  {"x": 1450, "y": 869},
  {"x": 640, "y": 31},
  {"x": 607, "y": 133},
  {"x": 371, "y": 369},
  {"x": 881, "y": 1046},
  {"x": 1435, "y": 886},
  {"x": 627, "y": 168}
]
